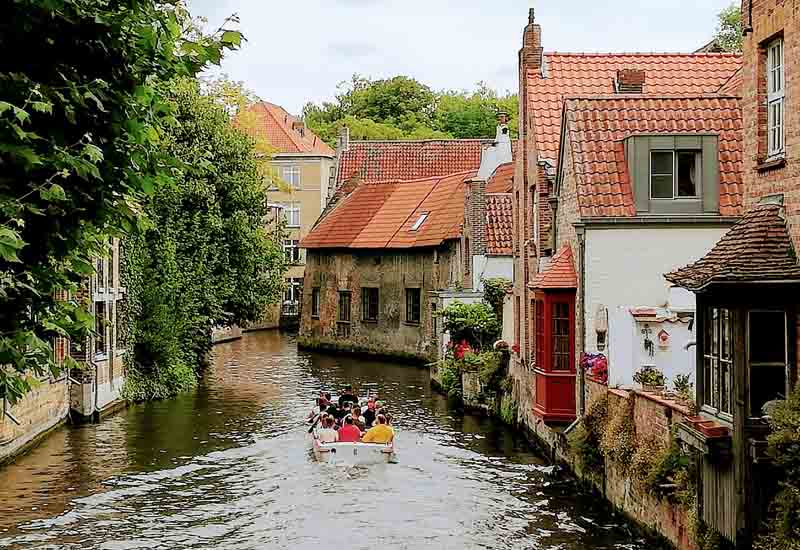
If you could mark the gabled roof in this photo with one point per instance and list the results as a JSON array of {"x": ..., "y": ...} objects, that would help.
[
  {"x": 560, "y": 275},
  {"x": 372, "y": 161},
  {"x": 580, "y": 74},
  {"x": 499, "y": 224},
  {"x": 283, "y": 132},
  {"x": 597, "y": 126},
  {"x": 502, "y": 180},
  {"x": 383, "y": 215},
  {"x": 757, "y": 249}
]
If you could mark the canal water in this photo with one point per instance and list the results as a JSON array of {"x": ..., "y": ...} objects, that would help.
[{"x": 229, "y": 467}]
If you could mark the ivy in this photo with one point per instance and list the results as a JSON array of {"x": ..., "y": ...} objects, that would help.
[
  {"x": 495, "y": 290},
  {"x": 81, "y": 112}
]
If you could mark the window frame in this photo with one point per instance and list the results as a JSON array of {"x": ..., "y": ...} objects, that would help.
[
  {"x": 294, "y": 177},
  {"x": 340, "y": 318},
  {"x": 776, "y": 96},
  {"x": 411, "y": 306},
  {"x": 367, "y": 303},
  {"x": 716, "y": 358},
  {"x": 291, "y": 209},
  {"x": 750, "y": 363},
  {"x": 417, "y": 224},
  {"x": 291, "y": 250},
  {"x": 315, "y": 302},
  {"x": 676, "y": 153}
]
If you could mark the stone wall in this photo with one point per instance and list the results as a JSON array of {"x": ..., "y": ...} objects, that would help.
[
  {"x": 38, "y": 412},
  {"x": 391, "y": 272}
]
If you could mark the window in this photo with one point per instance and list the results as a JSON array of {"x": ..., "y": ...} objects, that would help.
[
  {"x": 560, "y": 335},
  {"x": 718, "y": 361},
  {"x": 766, "y": 338},
  {"x": 315, "y": 295},
  {"x": 101, "y": 274},
  {"x": 344, "y": 306},
  {"x": 775, "y": 98},
  {"x": 369, "y": 304},
  {"x": 674, "y": 174},
  {"x": 291, "y": 213},
  {"x": 420, "y": 221},
  {"x": 293, "y": 291},
  {"x": 100, "y": 327},
  {"x": 291, "y": 175},
  {"x": 539, "y": 328},
  {"x": 413, "y": 305},
  {"x": 292, "y": 250}
]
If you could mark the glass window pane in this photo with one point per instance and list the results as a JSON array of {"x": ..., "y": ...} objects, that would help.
[
  {"x": 767, "y": 337},
  {"x": 661, "y": 163},
  {"x": 661, "y": 187},
  {"x": 766, "y": 384},
  {"x": 687, "y": 174}
]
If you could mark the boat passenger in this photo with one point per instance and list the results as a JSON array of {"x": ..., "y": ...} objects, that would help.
[
  {"x": 347, "y": 397},
  {"x": 358, "y": 420},
  {"x": 349, "y": 433},
  {"x": 369, "y": 414},
  {"x": 382, "y": 433},
  {"x": 327, "y": 434}
]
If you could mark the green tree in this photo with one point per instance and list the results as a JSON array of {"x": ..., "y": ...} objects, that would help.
[
  {"x": 474, "y": 114},
  {"x": 729, "y": 35},
  {"x": 80, "y": 114},
  {"x": 206, "y": 257}
]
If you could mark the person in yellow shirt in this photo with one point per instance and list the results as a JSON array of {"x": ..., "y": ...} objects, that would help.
[{"x": 381, "y": 433}]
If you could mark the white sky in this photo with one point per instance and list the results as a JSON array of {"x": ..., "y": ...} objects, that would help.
[{"x": 299, "y": 50}]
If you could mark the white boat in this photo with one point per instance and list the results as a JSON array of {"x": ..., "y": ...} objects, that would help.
[{"x": 353, "y": 453}]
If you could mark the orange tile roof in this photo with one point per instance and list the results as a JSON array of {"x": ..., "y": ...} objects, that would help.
[
  {"x": 502, "y": 180},
  {"x": 382, "y": 214},
  {"x": 559, "y": 275},
  {"x": 499, "y": 224},
  {"x": 278, "y": 127},
  {"x": 579, "y": 74},
  {"x": 372, "y": 161},
  {"x": 597, "y": 127}
]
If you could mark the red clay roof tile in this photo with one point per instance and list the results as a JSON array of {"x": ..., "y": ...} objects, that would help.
[
  {"x": 382, "y": 215},
  {"x": 499, "y": 224},
  {"x": 278, "y": 127},
  {"x": 598, "y": 152},
  {"x": 579, "y": 74},
  {"x": 502, "y": 180},
  {"x": 559, "y": 275}
]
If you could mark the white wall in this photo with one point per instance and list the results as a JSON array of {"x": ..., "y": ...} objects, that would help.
[
  {"x": 489, "y": 267},
  {"x": 624, "y": 269}
]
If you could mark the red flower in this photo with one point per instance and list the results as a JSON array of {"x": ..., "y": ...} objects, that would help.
[{"x": 515, "y": 348}]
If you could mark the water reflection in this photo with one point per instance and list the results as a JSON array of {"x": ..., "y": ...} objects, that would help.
[{"x": 228, "y": 467}]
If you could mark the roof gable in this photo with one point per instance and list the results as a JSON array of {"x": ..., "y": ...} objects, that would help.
[
  {"x": 560, "y": 275},
  {"x": 499, "y": 224},
  {"x": 596, "y": 127},
  {"x": 383, "y": 214},
  {"x": 579, "y": 74}
]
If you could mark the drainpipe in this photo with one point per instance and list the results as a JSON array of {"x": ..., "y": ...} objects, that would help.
[{"x": 580, "y": 230}]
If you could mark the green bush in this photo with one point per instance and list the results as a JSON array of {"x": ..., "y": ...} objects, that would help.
[
  {"x": 475, "y": 323},
  {"x": 671, "y": 476},
  {"x": 618, "y": 442},
  {"x": 494, "y": 293},
  {"x": 585, "y": 440},
  {"x": 783, "y": 529},
  {"x": 493, "y": 371}
]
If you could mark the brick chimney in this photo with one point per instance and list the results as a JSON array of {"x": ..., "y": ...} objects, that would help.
[
  {"x": 630, "y": 81},
  {"x": 344, "y": 138},
  {"x": 299, "y": 126},
  {"x": 530, "y": 56}
]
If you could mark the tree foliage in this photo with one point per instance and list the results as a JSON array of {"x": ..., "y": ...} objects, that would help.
[
  {"x": 729, "y": 35},
  {"x": 206, "y": 258},
  {"x": 80, "y": 113},
  {"x": 475, "y": 323},
  {"x": 403, "y": 108}
]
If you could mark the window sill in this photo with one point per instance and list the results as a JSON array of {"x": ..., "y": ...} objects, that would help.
[
  {"x": 411, "y": 323},
  {"x": 771, "y": 164}
]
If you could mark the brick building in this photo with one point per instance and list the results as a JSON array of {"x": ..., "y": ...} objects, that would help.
[
  {"x": 748, "y": 285},
  {"x": 588, "y": 124}
]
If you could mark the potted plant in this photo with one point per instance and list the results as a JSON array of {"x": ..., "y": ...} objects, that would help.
[
  {"x": 650, "y": 378},
  {"x": 685, "y": 389}
]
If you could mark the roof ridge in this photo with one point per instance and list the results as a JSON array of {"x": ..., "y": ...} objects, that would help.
[
  {"x": 645, "y": 54},
  {"x": 415, "y": 180},
  {"x": 352, "y": 142},
  {"x": 609, "y": 97}
]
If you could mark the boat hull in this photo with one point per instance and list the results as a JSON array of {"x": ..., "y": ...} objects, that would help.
[{"x": 353, "y": 453}]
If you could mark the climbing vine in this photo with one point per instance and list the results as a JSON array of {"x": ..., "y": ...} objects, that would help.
[{"x": 495, "y": 290}]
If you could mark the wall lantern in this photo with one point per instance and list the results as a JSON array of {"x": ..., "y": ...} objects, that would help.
[{"x": 601, "y": 326}]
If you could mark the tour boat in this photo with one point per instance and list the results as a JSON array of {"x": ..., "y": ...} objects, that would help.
[{"x": 353, "y": 453}]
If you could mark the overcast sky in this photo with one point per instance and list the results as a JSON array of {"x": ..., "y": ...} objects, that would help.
[{"x": 298, "y": 50}]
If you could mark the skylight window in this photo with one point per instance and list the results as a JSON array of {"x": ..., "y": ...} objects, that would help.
[{"x": 420, "y": 221}]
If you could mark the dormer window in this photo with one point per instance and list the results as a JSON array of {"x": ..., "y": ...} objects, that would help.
[
  {"x": 674, "y": 174},
  {"x": 420, "y": 221}
]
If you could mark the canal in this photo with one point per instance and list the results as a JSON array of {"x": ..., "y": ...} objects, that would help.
[{"x": 228, "y": 466}]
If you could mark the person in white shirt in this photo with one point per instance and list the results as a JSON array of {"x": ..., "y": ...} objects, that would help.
[{"x": 327, "y": 434}]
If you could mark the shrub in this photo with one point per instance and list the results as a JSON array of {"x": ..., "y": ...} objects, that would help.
[
  {"x": 473, "y": 323},
  {"x": 585, "y": 440},
  {"x": 649, "y": 376},
  {"x": 494, "y": 293},
  {"x": 645, "y": 459},
  {"x": 671, "y": 476},
  {"x": 618, "y": 442},
  {"x": 492, "y": 371}
]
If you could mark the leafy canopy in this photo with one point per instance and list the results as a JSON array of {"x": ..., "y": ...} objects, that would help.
[
  {"x": 729, "y": 35},
  {"x": 80, "y": 119}
]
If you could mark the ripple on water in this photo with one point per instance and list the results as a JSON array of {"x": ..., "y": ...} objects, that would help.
[{"x": 228, "y": 467}]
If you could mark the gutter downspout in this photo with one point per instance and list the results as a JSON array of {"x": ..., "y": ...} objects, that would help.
[{"x": 580, "y": 230}]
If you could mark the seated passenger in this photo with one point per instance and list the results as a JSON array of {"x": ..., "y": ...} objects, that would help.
[
  {"x": 358, "y": 420},
  {"x": 349, "y": 433},
  {"x": 382, "y": 433},
  {"x": 327, "y": 434},
  {"x": 347, "y": 397},
  {"x": 369, "y": 414}
]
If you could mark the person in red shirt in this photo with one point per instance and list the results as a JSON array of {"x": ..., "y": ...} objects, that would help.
[{"x": 349, "y": 433}]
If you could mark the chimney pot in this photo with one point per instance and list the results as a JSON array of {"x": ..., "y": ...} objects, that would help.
[
  {"x": 502, "y": 118},
  {"x": 531, "y": 15},
  {"x": 631, "y": 81}
]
